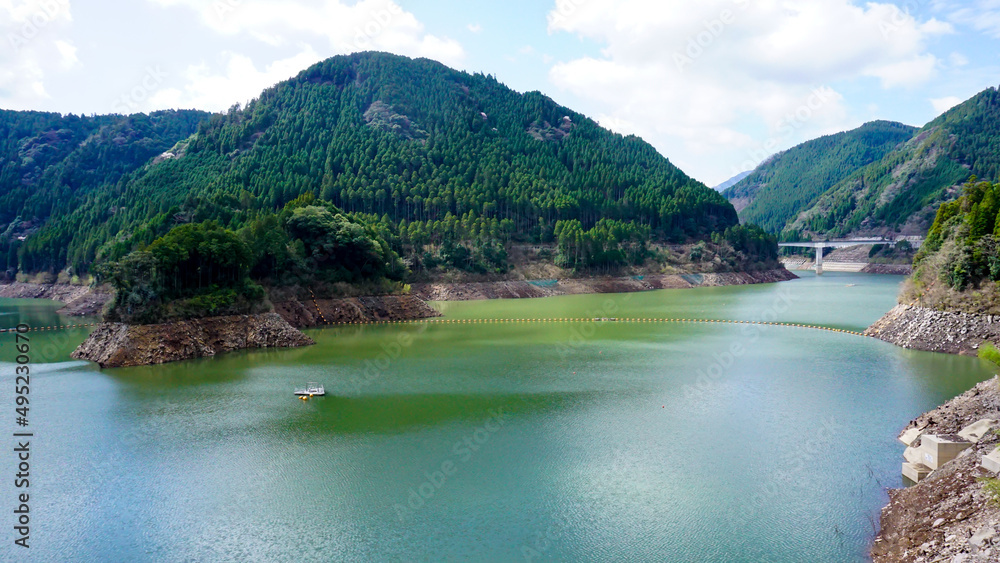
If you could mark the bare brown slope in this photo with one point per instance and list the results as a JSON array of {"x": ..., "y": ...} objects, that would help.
[
  {"x": 532, "y": 289},
  {"x": 121, "y": 345}
]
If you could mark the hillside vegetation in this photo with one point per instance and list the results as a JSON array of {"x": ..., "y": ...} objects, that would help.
[
  {"x": 901, "y": 192},
  {"x": 958, "y": 268},
  {"x": 52, "y": 165},
  {"x": 789, "y": 182},
  {"x": 882, "y": 179},
  {"x": 409, "y": 166}
]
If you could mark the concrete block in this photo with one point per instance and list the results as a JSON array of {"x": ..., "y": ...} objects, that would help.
[
  {"x": 991, "y": 462},
  {"x": 910, "y": 436},
  {"x": 975, "y": 432},
  {"x": 913, "y": 455},
  {"x": 916, "y": 472},
  {"x": 939, "y": 450}
]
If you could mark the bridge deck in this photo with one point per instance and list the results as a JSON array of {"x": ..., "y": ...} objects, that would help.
[{"x": 836, "y": 243}]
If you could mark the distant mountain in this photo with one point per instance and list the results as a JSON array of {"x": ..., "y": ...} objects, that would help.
[
  {"x": 53, "y": 164},
  {"x": 431, "y": 155},
  {"x": 792, "y": 181},
  {"x": 901, "y": 192},
  {"x": 732, "y": 181}
]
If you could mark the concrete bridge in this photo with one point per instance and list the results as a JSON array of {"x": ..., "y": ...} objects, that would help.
[{"x": 822, "y": 245}]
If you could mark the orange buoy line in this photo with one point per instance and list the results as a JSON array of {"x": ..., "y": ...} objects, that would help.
[
  {"x": 513, "y": 321},
  {"x": 616, "y": 320},
  {"x": 41, "y": 328},
  {"x": 316, "y": 304}
]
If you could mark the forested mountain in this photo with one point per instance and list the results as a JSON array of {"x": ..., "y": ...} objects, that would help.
[
  {"x": 958, "y": 268},
  {"x": 791, "y": 181},
  {"x": 901, "y": 192},
  {"x": 52, "y": 164},
  {"x": 421, "y": 153}
]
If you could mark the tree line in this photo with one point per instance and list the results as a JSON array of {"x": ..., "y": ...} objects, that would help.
[{"x": 442, "y": 157}]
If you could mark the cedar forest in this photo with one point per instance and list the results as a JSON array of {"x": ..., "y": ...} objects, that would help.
[{"x": 364, "y": 169}]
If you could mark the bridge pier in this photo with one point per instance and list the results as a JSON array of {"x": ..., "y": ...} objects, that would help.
[{"x": 819, "y": 260}]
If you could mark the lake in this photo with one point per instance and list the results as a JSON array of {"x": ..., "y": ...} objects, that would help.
[{"x": 593, "y": 441}]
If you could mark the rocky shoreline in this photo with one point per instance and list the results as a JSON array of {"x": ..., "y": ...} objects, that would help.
[
  {"x": 948, "y": 516},
  {"x": 80, "y": 301},
  {"x": 305, "y": 314},
  {"x": 888, "y": 269},
  {"x": 919, "y": 328},
  {"x": 122, "y": 345},
  {"x": 119, "y": 345},
  {"x": 522, "y": 289}
]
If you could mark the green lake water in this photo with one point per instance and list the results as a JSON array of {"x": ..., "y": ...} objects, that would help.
[{"x": 467, "y": 442}]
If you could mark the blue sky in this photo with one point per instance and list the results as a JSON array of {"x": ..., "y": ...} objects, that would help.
[{"x": 714, "y": 85}]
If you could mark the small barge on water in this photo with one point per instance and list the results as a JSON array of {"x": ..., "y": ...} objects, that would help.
[{"x": 310, "y": 390}]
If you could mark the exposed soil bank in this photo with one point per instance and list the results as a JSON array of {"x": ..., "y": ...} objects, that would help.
[
  {"x": 121, "y": 345},
  {"x": 888, "y": 269},
  {"x": 80, "y": 301},
  {"x": 918, "y": 328},
  {"x": 303, "y": 314},
  {"x": 948, "y": 516},
  {"x": 532, "y": 289}
]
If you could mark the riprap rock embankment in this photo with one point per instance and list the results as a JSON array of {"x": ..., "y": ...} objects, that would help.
[{"x": 919, "y": 328}]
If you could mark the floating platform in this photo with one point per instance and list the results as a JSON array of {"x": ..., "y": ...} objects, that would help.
[{"x": 311, "y": 390}]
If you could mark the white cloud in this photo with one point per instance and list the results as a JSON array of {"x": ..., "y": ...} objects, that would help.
[
  {"x": 981, "y": 15},
  {"x": 909, "y": 72},
  {"x": 942, "y": 105},
  {"x": 308, "y": 26},
  {"x": 474, "y": 27},
  {"x": 958, "y": 60},
  {"x": 68, "y": 53},
  {"x": 241, "y": 81},
  {"x": 718, "y": 83},
  {"x": 35, "y": 44},
  {"x": 345, "y": 28}
]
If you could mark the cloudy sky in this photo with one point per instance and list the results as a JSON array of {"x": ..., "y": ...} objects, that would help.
[{"x": 715, "y": 85}]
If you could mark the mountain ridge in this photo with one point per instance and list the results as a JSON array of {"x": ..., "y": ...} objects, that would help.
[
  {"x": 902, "y": 192},
  {"x": 891, "y": 185},
  {"x": 426, "y": 154},
  {"x": 776, "y": 191}
]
